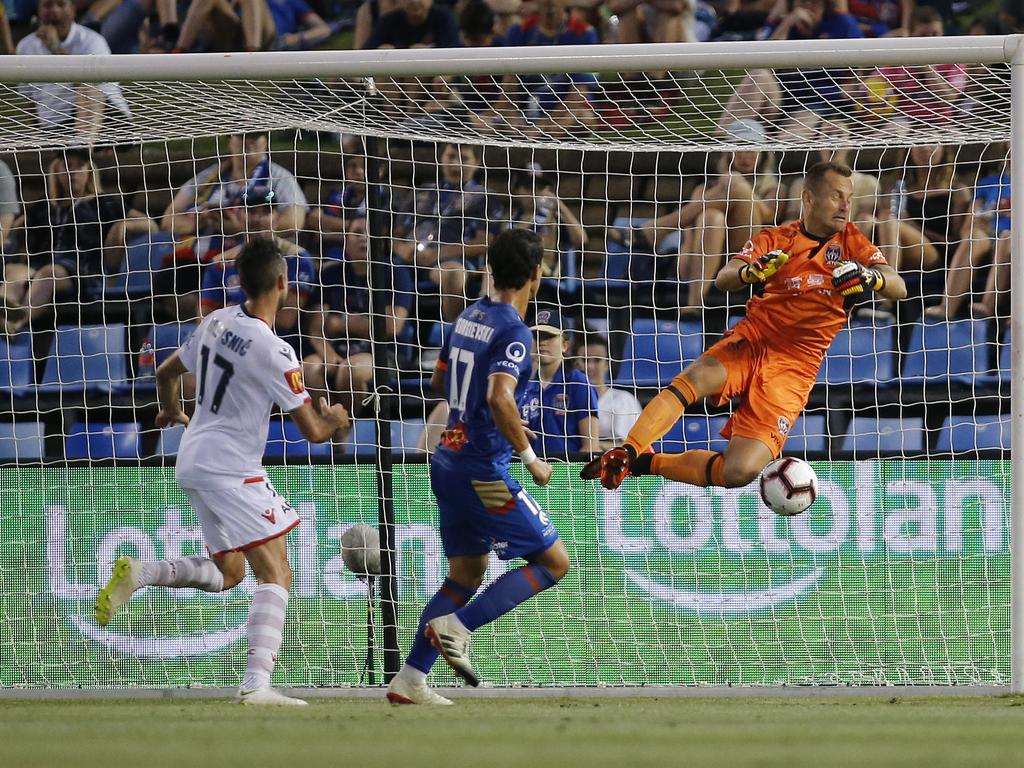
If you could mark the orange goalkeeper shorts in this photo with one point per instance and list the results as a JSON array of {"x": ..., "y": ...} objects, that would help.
[{"x": 774, "y": 385}]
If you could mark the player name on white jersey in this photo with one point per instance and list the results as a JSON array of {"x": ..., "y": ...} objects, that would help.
[{"x": 242, "y": 370}]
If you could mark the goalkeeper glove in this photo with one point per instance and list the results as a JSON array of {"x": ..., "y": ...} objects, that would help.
[
  {"x": 763, "y": 267},
  {"x": 851, "y": 279}
]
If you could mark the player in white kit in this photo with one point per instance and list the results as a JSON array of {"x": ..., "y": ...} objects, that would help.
[{"x": 242, "y": 369}]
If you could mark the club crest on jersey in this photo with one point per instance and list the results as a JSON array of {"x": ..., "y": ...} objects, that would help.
[
  {"x": 294, "y": 379},
  {"x": 784, "y": 426},
  {"x": 833, "y": 254}
]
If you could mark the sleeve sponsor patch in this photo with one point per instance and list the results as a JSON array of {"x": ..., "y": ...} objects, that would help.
[{"x": 294, "y": 379}]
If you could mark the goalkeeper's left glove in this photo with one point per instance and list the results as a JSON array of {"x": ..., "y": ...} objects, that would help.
[{"x": 851, "y": 278}]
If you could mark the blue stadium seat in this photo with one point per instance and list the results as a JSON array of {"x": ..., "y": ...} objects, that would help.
[
  {"x": 103, "y": 441},
  {"x": 143, "y": 256},
  {"x": 167, "y": 337},
  {"x": 170, "y": 440},
  {"x": 284, "y": 439},
  {"x": 658, "y": 350},
  {"x": 405, "y": 435},
  {"x": 362, "y": 438},
  {"x": 944, "y": 351},
  {"x": 961, "y": 434},
  {"x": 861, "y": 353},
  {"x": 872, "y": 436},
  {"x": 91, "y": 357},
  {"x": 808, "y": 435},
  {"x": 693, "y": 433},
  {"x": 1004, "y": 363},
  {"x": 16, "y": 366},
  {"x": 22, "y": 440}
]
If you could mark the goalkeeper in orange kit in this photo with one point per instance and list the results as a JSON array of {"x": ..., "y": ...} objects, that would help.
[{"x": 813, "y": 271}]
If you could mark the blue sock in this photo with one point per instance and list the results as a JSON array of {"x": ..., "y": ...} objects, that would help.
[
  {"x": 449, "y": 598},
  {"x": 506, "y": 593}
]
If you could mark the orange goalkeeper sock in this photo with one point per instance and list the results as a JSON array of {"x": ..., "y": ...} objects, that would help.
[
  {"x": 661, "y": 413},
  {"x": 700, "y": 468}
]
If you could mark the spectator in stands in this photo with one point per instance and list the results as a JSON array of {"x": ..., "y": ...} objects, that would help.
[
  {"x": 536, "y": 206},
  {"x": 799, "y": 96},
  {"x": 561, "y": 404},
  {"x": 740, "y": 19},
  {"x": 339, "y": 357},
  {"x": 75, "y": 235},
  {"x": 251, "y": 25},
  {"x": 6, "y": 40},
  {"x": 121, "y": 22},
  {"x": 919, "y": 95},
  {"x": 416, "y": 24},
  {"x": 986, "y": 232},
  {"x": 63, "y": 107},
  {"x": 366, "y": 19},
  {"x": 15, "y": 271},
  {"x": 339, "y": 207},
  {"x": 720, "y": 217},
  {"x": 552, "y": 103},
  {"x": 506, "y": 16},
  {"x": 617, "y": 409},
  {"x": 883, "y": 18},
  {"x": 444, "y": 228},
  {"x": 207, "y": 204},
  {"x": 921, "y": 223},
  {"x": 654, "y": 21},
  {"x": 209, "y": 211}
]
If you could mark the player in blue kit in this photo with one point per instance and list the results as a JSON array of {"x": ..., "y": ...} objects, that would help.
[{"x": 483, "y": 370}]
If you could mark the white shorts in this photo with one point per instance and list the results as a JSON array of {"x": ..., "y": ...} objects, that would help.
[{"x": 237, "y": 519}]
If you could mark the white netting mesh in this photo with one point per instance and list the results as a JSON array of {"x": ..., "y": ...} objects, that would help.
[{"x": 642, "y": 187}]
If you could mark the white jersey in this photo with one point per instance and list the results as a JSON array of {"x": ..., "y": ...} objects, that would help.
[{"x": 242, "y": 369}]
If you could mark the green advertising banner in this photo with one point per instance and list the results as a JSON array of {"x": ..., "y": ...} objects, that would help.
[{"x": 899, "y": 574}]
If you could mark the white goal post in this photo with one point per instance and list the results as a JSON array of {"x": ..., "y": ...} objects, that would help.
[{"x": 196, "y": 98}]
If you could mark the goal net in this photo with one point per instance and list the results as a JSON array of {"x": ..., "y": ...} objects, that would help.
[{"x": 384, "y": 179}]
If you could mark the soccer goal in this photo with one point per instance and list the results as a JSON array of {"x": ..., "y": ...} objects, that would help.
[{"x": 385, "y": 174}]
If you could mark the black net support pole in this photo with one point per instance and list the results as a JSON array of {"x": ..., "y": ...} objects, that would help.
[{"x": 384, "y": 372}]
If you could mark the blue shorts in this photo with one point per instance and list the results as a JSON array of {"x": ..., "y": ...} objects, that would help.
[{"x": 480, "y": 515}]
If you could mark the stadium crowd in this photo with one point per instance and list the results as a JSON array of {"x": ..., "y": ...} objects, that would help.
[{"x": 938, "y": 214}]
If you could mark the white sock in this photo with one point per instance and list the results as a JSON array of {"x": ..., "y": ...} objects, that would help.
[
  {"x": 413, "y": 675},
  {"x": 196, "y": 572},
  {"x": 266, "y": 622}
]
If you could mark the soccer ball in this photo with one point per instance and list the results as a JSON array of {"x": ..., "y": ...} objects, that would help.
[{"x": 788, "y": 486}]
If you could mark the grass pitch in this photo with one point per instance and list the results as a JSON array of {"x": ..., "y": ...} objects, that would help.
[{"x": 584, "y": 732}]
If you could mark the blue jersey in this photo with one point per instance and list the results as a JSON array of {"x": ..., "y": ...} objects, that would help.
[
  {"x": 557, "y": 411},
  {"x": 488, "y": 337}
]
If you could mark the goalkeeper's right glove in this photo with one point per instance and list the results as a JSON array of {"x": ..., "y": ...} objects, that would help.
[{"x": 763, "y": 267}]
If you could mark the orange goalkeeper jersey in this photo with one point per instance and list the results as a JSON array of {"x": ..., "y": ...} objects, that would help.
[{"x": 799, "y": 309}]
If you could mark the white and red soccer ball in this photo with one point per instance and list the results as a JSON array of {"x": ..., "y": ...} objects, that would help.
[{"x": 788, "y": 486}]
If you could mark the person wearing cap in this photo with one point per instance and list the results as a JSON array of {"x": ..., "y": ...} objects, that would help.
[
  {"x": 209, "y": 214},
  {"x": 561, "y": 405}
]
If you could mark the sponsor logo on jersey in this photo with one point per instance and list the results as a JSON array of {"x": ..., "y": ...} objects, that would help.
[
  {"x": 833, "y": 254},
  {"x": 516, "y": 351},
  {"x": 294, "y": 379},
  {"x": 813, "y": 280},
  {"x": 794, "y": 283}
]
